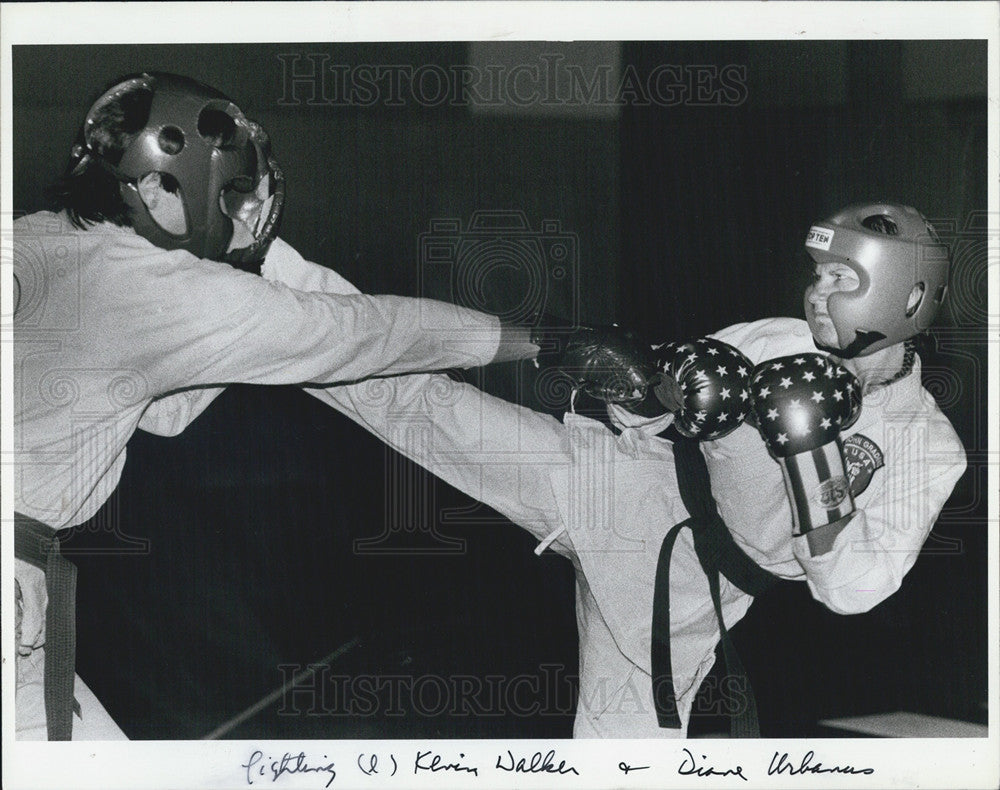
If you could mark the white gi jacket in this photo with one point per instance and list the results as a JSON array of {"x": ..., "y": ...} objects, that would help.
[
  {"x": 107, "y": 322},
  {"x": 611, "y": 499}
]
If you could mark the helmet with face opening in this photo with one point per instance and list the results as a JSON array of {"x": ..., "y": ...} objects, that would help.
[
  {"x": 902, "y": 269},
  {"x": 205, "y": 149}
]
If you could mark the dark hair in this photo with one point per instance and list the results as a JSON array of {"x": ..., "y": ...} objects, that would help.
[{"x": 87, "y": 191}]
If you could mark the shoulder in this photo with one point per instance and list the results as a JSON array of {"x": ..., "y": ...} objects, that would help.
[
  {"x": 48, "y": 244},
  {"x": 136, "y": 273},
  {"x": 49, "y": 223},
  {"x": 768, "y": 338},
  {"x": 45, "y": 224},
  {"x": 906, "y": 422},
  {"x": 285, "y": 265},
  {"x": 39, "y": 221},
  {"x": 54, "y": 238}
]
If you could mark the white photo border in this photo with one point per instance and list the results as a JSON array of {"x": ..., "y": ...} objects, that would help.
[{"x": 898, "y": 763}]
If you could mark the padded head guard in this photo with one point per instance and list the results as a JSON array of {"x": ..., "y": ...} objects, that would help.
[
  {"x": 219, "y": 160},
  {"x": 892, "y": 249}
]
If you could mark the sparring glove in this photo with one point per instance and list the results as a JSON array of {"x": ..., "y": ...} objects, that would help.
[
  {"x": 706, "y": 383},
  {"x": 608, "y": 363},
  {"x": 801, "y": 404}
]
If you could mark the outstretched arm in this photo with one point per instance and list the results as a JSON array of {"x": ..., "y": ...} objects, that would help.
[
  {"x": 494, "y": 451},
  {"x": 169, "y": 414}
]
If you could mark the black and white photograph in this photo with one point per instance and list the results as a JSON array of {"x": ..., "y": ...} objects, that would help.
[{"x": 526, "y": 394}]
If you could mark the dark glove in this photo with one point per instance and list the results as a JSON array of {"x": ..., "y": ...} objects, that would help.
[{"x": 609, "y": 363}]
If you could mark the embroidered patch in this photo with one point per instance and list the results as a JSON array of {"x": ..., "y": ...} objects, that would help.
[{"x": 862, "y": 457}]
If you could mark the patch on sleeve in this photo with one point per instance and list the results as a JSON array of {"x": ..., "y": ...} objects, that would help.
[{"x": 862, "y": 457}]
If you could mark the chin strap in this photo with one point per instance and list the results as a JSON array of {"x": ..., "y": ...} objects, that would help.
[
  {"x": 861, "y": 341},
  {"x": 855, "y": 348}
]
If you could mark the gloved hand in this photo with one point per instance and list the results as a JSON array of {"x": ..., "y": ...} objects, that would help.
[
  {"x": 609, "y": 363},
  {"x": 706, "y": 383},
  {"x": 31, "y": 601},
  {"x": 801, "y": 404}
]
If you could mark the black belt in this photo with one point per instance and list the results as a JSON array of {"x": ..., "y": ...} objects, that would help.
[
  {"x": 37, "y": 543},
  {"x": 718, "y": 554}
]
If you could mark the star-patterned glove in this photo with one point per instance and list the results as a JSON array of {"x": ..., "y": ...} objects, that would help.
[
  {"x": 709, "y": 381},
  {"x": 801, "y": 404}
]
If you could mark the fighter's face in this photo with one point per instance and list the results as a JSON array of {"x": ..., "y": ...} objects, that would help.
[
  {"x": 252, "y": 213},
  {"x": 167, "y": 210},
  {"x": 828, "y": 278}
]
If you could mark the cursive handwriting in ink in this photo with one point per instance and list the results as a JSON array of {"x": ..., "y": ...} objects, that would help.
[
  {"x": 537, "y": 764},
  {"x": 690, "y": 766},
  {"x": 782, "y": 764},
  {"x": 436, "y": 763},
  {"x": 288, "y": 764},
  {"x": 624, "y": 767},
  {"x": 368, "y": 764},
  {"x": 252, "y": 767}
]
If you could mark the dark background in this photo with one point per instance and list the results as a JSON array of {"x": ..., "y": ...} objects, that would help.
[{"x": 229, "y": 551}]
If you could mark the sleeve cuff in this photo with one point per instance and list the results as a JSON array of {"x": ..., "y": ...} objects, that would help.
[{"x": 843, "y": 567}]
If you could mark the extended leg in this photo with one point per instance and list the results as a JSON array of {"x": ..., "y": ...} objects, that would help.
[{"x": 494, "y": 451}]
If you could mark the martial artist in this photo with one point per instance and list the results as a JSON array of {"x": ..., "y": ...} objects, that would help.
[{"x": 121, "y": 299}]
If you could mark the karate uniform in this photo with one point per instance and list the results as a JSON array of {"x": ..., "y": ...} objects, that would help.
[
  {"x": 107, "y": 323},
  {"x": 606, "y": 501}
]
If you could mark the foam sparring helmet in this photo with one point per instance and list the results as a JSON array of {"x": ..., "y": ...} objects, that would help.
[
  {"x": 220, "y": 160},
  {"x": 891, "y": 248}
]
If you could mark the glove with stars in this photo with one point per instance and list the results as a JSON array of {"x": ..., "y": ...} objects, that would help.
[
  {"x": 801, "y": 405},
  {"x": 706, "y": 383}
]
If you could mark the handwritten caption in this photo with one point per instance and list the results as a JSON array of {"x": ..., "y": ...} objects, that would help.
[{"x": 263, "y": 768}]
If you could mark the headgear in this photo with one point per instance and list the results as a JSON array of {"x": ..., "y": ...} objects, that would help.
[
  {"x": 892, "y": 249},
  {"x": 219, "y": 159}
]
